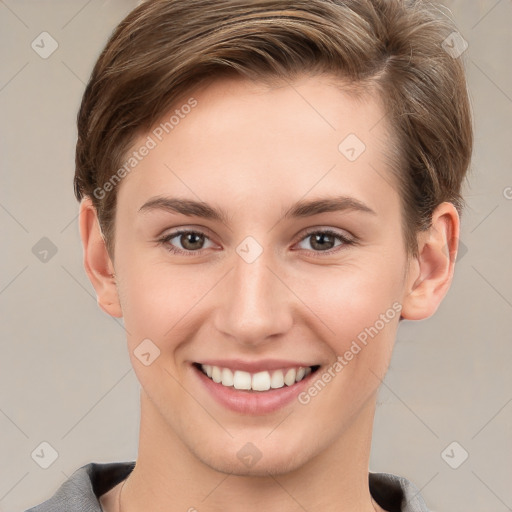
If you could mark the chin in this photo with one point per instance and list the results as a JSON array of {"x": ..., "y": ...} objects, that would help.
[{"x": 249, "y": 461}]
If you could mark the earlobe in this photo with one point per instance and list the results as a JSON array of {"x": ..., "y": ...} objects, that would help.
[
  {"x": 431, "y": 273},
  {"x": 97, "y": 262}
]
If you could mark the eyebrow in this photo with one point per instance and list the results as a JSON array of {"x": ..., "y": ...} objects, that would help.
[{"x": 300, "y": 209}]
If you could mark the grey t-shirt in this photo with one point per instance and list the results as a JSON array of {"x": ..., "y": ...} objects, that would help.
[{"x": 81, "y": 492}]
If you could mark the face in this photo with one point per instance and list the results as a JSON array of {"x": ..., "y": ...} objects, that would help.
[{"x": 298, "y": 261}]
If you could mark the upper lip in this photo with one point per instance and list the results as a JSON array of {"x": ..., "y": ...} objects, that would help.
[{"x": 255, "y": 366}]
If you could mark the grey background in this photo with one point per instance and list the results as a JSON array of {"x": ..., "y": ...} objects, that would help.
[{"x": 65, "y": 375}]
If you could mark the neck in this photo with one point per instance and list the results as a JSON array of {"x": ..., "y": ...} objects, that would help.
[{"x": 169, "y": 477}]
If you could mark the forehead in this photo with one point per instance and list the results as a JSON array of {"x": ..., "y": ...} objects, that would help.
[{"x": 243, "y": 140}]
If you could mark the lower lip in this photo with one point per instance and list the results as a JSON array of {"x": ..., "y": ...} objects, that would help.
[{"x": 252, "y": 402}]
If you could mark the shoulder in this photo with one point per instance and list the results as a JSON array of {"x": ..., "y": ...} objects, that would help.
[
  {"x": 396, "y": 493},
  {"x": 82, "y": 490}
]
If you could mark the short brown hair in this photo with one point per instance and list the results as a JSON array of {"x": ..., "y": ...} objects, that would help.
[{"x": 163, "y": 48}]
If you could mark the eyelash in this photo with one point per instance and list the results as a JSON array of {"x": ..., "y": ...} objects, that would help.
[{"x": 175, "y": 250}]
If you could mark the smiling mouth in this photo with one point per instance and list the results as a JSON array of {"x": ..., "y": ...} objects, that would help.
[{"x": 258, "y": 381}]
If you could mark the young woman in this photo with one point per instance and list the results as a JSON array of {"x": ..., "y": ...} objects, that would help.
[{"x": 267, "y": 189}]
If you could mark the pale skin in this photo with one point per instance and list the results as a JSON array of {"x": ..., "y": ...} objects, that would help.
[{"x": 254, "y": 151}]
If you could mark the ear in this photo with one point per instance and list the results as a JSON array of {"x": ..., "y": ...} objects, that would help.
[
  {"x": 97, "y": 263},
  {"x": 430, "y": 274}
]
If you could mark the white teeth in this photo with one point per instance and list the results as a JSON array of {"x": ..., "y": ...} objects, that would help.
[
  {"x": 216, "y": 374},
  {"x": 260, "y": 381},
  {"x": 300, "y": 374},
  {"x": 277, "y": 380},
  {"x": 227, "y": 377},
  {"x": 289, "y": 378},
  {"x": 242, "y": 380}
]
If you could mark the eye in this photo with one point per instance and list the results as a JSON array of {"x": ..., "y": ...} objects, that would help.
[
  {"x": 190, "y": 241},
  {"x": 323, "y": 240}
]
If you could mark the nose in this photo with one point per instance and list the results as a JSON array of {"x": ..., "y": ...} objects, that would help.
[{"x": 254, "y": 305}]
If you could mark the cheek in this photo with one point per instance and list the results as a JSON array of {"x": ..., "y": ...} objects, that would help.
[
  {"x": 155, "y": 304},
  {"x": 351, "y": 298},
  {"x": 165, "y": 304},
  {"x": 358, "y": 310},
  {"x": 359, "y": 317}
]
